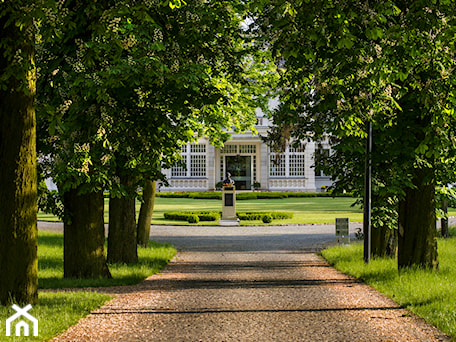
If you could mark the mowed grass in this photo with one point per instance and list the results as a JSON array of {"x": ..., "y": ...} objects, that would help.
[
  {"x": 58, "y": 310},
  {"x": 50, "y": 265},
  {"x": 430, "y": 295},
  {"x": 305, "y": 210}
]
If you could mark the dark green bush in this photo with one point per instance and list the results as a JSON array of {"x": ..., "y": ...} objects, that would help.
[
  {"x": 193, "y": 219},
  {"x": 258, "y": 215},
  {"x": 184, "y": 215},
  {"x": 267, "y": 218}
]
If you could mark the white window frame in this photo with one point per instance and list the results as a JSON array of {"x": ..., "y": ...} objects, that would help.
[
  {"x": 292, "y": 163},
  {"x": 194, "y": 157}
]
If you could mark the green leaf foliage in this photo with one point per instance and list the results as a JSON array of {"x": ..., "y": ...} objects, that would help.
[
  {"x": 346, "y": 63},
  {"x": 125, "y": 85}
]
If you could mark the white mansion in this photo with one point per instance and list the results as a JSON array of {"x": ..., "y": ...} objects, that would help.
[{"x": 249, "y": 161}]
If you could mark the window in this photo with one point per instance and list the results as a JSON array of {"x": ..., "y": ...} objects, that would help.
[
  {"x": 277, "y": 165},
  {"x": 194, "y": 160},
  {"x": 288, "y": 164},
  {"x": 248, "y": 149},
  {"x": 229, "y": 149}
]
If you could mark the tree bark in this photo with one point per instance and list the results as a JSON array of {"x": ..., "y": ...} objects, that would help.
[
  {"x": 383, "y": 242},
  {"x": 122, "y": 247},
  {"x": 18, "y": 177},
  {"x": 84, "y": 237},
  {"x": 145, "y": 214},
  {"x": 444, "y": 221},
  {"x": 417, "y": 235}
]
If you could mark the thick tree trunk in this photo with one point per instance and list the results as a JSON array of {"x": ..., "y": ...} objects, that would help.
[
  {"x": 122, "y": 247},
  {"x": 145, "y": 214},
  {"x": 84, "y": 255},
  {"x": 417, "y": 235},
  {"x": 383, "y": 242},
  {"x": 18, "y": 179}
]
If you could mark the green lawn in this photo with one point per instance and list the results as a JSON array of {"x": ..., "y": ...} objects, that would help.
[
  {"x": 431, "y": 295},
  {"x": 58, "y": 310},
  {"x": 306, "y": 210}
]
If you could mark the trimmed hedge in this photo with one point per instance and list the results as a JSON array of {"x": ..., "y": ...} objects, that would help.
[
  {"x": 185, "y": 215},
  {"x": 193, "y": 219},
  {"x": 248, "y": 195},
  {"x": 267, "y": 218},
  {"x": 215, "y": 215},
  {"x": 258, "y": 215}
]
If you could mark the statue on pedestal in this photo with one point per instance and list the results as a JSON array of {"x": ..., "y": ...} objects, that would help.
[{"x": 228, "y": 181}]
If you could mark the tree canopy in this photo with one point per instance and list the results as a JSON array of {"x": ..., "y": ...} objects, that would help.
[
  {"x": 389, "y": 62},
  {"x": 137, "y": 80}
]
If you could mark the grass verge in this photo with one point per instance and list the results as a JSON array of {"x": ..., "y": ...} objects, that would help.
[
  {"x": 59, "y": 310},
  {"x": 56, "y": 312},
  {"x": 430, "y": 295},
  {"x": 50, "y": 265}
]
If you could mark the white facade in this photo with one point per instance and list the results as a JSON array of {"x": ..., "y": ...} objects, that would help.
[{"x": 249, "y": 161}]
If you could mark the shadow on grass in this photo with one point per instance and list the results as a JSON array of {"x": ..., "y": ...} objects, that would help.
[
  {"x": 151, "y": 260},
  {"x": 123, "y": 274},
  {"x": 50, "y": 239}
]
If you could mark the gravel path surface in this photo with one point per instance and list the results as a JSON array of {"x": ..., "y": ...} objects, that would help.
[{"x": 249, "y": 284}]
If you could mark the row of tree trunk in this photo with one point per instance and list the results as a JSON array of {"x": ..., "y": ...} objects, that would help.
[{"x": 84, "y": 231}]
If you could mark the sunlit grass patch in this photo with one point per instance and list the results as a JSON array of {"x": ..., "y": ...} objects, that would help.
[{"x": 431, "y": 295}]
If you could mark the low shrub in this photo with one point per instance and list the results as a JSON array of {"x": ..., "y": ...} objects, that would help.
[
  {"x": 246, "y": 196},
  {"x": 267, "y": 218},
  {"x": 267, "y": 195},
  {"x": 206, "y": 195},
  {"x": 249, "y": 195},
  {"x": 258, "y": 215},
  {"x": 185, "y": 215},
  {"x": 193, "y": 219},
  {"x": 172, "y": 194}
]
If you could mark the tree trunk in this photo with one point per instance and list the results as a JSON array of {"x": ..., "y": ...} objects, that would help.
[
  {"x": 383, "y": 242},
  {"x": 444, "y": 221},
  {"x": 84, "y": 237},
  {"x": 417, "y": 236},
  {"x": 145, "y": 213},
  {"x": 18, "y": 178},
  {"x": 122, "y": 247}
]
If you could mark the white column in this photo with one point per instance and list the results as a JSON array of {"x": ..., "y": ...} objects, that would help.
[
  {"x": 309, "y": 171},
  {"x": 263, "y": 163},
  {"x": 211, "y": 169}
]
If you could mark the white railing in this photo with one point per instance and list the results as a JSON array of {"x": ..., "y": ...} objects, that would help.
[
  {"x": 287, "y": 184},
  {"x": 187, "y": 185}
]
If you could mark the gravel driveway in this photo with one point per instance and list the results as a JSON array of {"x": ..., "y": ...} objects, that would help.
[{"x": 249, "y": 284}]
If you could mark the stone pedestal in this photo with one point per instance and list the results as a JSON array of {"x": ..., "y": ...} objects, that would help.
[{"x": 229, "y": 217}]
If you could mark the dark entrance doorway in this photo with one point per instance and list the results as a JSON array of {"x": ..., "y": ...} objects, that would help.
[{"x": 240, "y": 168}]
